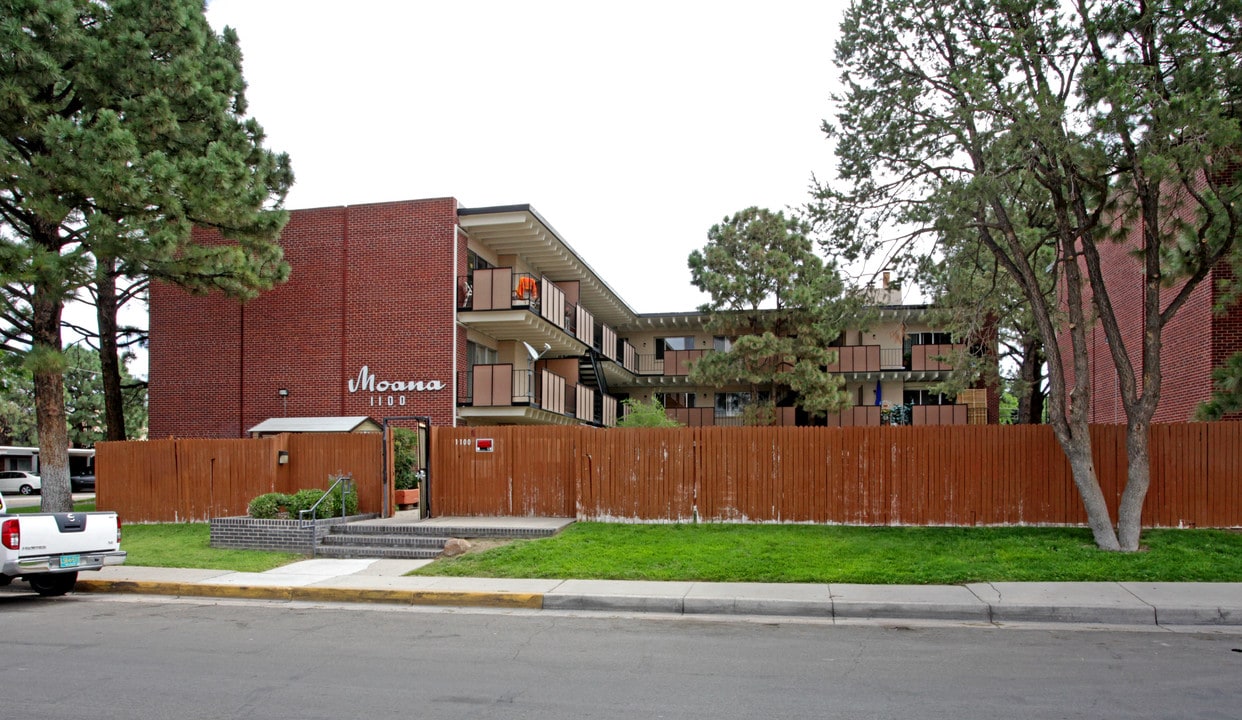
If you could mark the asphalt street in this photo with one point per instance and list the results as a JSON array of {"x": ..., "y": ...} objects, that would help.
[{"x": 130, "y": 657}]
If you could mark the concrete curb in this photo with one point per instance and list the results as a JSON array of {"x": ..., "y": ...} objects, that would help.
[
  {"x": 1110, "y": 604},
  {"x": 530, "y": 601}
]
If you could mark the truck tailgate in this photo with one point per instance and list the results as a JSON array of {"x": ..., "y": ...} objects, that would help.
[{"x": 57, "y": 533}]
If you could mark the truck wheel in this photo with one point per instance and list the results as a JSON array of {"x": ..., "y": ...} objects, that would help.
[
  {"x": 25, "y": 490},
  {"x": 53, "y": 584}
]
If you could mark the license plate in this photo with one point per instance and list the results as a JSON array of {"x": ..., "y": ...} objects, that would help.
[{"x": 70, "y": 560}]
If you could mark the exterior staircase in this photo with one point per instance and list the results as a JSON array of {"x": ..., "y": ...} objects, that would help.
[{"x": 413, "y": 540}]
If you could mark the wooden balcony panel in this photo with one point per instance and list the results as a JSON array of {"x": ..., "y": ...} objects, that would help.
[
  {"x": 608, "y": 342},
  {"x": 856, "y": 358},
  {"x": 584, "y": 403},
  {"x": 629, "y": 358},
  {"x": 584, "y": 328},
  {"x": 693, "y": 417},
  {"x": 553, "y": 392},
  {"x": 552, "y": 304},
  {"x": 921, "y": 357},
  {"x": 677, "y": 362},
  {"x": 493, "y": 385}
]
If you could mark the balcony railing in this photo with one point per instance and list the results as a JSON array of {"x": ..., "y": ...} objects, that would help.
[
  {"x": 709, "y": 416},
  {"x": 502, "y": 386},
  {"x": 857, "y": 416},
  {"x": 627, "y": 355},
  {"x": 503, "y": 289},
  {"x": 856, "y": 358},
  {"x": 921, "y": 356},
  {"x": 873, "y": 358},
  {"x": 892, "y": 359},
  {"x": 674, "y": 362}
]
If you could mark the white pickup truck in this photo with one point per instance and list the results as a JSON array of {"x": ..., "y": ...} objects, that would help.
[{"x": 48, "y": 549}]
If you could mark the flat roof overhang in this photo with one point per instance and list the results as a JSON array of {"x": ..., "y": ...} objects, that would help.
[
  {"x": 523, "y": 325},
  {"x": 519, "y": 230}
]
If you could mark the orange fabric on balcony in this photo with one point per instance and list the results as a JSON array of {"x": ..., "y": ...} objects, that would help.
[{"x": 527, "y": 289}]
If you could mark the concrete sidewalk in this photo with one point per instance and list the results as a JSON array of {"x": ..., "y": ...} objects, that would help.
[{"x": 324, "y": 580}]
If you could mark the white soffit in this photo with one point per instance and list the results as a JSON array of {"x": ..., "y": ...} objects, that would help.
[{"x": 522, "y": 233}]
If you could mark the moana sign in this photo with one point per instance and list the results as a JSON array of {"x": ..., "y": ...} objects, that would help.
[{"x": 389, "y": 392}]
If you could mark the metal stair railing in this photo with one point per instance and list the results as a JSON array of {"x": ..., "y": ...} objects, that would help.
[{"x": 346, "y": 482}]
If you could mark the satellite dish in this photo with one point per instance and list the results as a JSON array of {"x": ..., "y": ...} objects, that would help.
[{"x": 534, "y": 354}]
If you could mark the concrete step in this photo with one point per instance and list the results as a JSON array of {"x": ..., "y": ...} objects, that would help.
[
  {"x": 385, "y": 540},
  {"x": 369, "y": 528},
  {"x": 363, "y": 551}
]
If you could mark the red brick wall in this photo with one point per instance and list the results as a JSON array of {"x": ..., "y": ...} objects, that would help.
[
  {"x": 1193, "y": 343},
  {"x": 370, "y": 285},
  {"x": 194, "y": 371}
]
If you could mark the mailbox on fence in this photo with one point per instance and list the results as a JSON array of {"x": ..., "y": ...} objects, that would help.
[{"x": 483, "y": 445}]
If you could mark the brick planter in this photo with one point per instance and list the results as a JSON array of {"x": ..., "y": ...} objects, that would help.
[{"x": 247, "y": 533}]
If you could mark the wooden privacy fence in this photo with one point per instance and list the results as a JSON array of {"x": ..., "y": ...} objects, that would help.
[
  {"x": 198, "y": 479},
  {"x": 960, "y": 475}
]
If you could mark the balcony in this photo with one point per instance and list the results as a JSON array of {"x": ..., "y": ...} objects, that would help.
[
  {"x": 916, "y": 363},
  {"x": 499, "y": 392},
  {"x": 519, "y": 306},
  {"x": 857, "y": 416},
  {"x": 674, "y": 363},
  {"x": 922, "y": 357},
  {"x": 710, "y": 417}
]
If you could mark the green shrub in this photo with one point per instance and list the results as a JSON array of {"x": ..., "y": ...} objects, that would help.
[
  {"x": 351, "y": 502},
  {"x": 330, "y": 507},
  {"x": 266, "y": 507},
  {"x": 305, "y": 500},
  {"x": 405, "y": 458}
]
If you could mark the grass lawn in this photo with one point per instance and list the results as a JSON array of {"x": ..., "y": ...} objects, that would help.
[
  {"x": 80, "y": 506},
  {"x": 819, "y": 554},
  {"x": 183, "y": 545},
  {"x": 187, "y": 545}
]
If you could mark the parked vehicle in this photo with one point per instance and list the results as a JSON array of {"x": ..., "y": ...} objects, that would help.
[
  {"x": 82, "y": 483},
  {"x": 48, "y": 550},
  {"x": 19, "y": 481}
]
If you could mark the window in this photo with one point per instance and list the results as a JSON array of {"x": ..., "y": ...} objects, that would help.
[
  {"x": 672, "y": 401},
  {"x": 474, "y": 262},
  {"x": 734, "y": 404},
  {"x": 925, "y": 397},
  {"x": 722, "y": 344},
  {"x": 477, "y": 354},
  {"x": 930, "y": 338},
  {"x": 672, "y": 343}
]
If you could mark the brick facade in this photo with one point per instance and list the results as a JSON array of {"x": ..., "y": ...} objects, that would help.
[
  {"x": 1193, "y": 343},
  {"x": 371, "y": 286}
]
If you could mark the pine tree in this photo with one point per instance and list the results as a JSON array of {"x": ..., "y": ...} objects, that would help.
[
  {"x": 780, "y": 305},
  {"x": 122, "y": 125}
]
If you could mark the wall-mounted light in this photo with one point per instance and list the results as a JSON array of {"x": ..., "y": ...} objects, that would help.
[
  {"x": 284, "y": 400},
  {"x": 282, "y": 457},
  {"x": 283, "y": 392}
]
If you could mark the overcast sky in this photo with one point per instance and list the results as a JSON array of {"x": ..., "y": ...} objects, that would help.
[{"x": 630, "y": 127}]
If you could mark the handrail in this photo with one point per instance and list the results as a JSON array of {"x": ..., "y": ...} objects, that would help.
[{"x": 346, "y": 480}]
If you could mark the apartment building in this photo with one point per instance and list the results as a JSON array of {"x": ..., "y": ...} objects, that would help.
[{"x": 479, "y": 316}]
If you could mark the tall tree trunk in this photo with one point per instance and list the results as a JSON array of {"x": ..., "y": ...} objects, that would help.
[
  {"x": 109, "y": 357},
  {"x": 47, "y": 367},
  {"x": 1138, "y": 479},
  {"x": 1031, "y": 375}
]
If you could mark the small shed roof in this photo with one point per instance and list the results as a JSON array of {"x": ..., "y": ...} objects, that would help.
[{"x": 359, "y": 423}]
